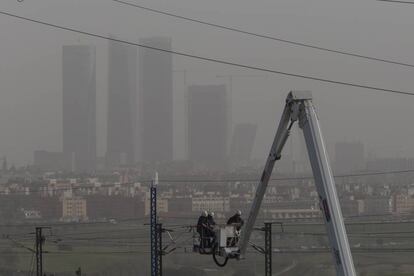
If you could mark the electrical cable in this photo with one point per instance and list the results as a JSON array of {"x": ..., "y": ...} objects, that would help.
[
  {"x": 393, "y": 1},
  {"x": 213, "y": 60},
  {"x": 210, "y": 181},
  {"x": 238, "y": 30}
]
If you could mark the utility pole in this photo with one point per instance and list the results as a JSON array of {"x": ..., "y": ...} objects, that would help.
[
  {"x": 40, "y": 240},
  {"x": 159, "y": 249},
  {"x": 268, "y": 248},
  {"x": 156, "y": 231}
]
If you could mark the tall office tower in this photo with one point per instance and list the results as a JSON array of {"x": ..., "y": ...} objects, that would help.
[
  {"x": 79, "y": 106},
  {"x": 155, "y": 101},
  {"x": 349, "y": 157},
  {"x": 242, "y": 144},
  {"x": 122, "y": 104},
  {"x": 207, "y": 125}
]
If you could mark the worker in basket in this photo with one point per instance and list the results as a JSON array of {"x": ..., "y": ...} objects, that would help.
[
  {"x": 210, "y": 227},
  {"x": 203, "y": 230},
  {"x": 210, "y": 220},
  {"x": 237, "y": 222}
]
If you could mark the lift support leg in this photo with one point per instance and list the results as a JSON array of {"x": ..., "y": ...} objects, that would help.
[{"x": 299, "y": 107}]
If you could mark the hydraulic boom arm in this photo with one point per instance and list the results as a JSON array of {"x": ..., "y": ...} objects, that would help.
[{"x": 299, "y": 107}]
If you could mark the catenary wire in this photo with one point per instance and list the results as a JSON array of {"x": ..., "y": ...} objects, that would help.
[
  {"x": 274, "y": 38},
  {"x": 393, "y": 1},
  {"x": 212, "y": 181},
  {"x": 284, "y": 178},
  {"x": 204, "y": 181},
  {"x": 210, "y": 59}
]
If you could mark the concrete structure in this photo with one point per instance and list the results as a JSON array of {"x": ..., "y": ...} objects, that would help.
[
  {"x": 162, "y": 205},
  {"x": 352, "y": 207},
  {"x": 122, "y": 104},
  {"x": 403, "y": 204},
  {"x": 291, "y": 213},
  {"x": 207, "y": 125},
  {"x": 74, "y": 209},
  {"x": 79, "y": 106},
  {"x": 215, "y": 204},
  {"x": 376, "y": 205},
  {"x": 155, "y": 101},
  {"x": 242, "y": 144}
]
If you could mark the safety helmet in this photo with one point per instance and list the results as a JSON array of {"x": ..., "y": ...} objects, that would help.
[
  {"x": 239, "y": 212},
  {"x": 204, "y": 213},
  {"x": 212, "y": 214}
]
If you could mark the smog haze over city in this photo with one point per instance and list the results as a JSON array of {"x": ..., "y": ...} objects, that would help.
[{"x": 110, "y": 108}]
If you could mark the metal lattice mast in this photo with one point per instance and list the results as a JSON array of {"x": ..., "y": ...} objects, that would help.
[
  {"x": 155, "y": 262},
  {"x": 40, "y": 240},
  {"x": 39, "y": 251},
  {"x": 268, "y": 249},
  {"x": 159, "y": 249}
]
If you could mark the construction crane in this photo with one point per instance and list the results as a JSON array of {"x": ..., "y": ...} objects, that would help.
[{"x": 299, "y": 107}]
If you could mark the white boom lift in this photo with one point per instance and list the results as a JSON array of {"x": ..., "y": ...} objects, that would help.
[{"x": 299, "y": 108}]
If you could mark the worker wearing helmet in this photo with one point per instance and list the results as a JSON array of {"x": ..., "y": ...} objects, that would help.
[
  {"x": 238, "y": 222},
  {"x": 202, "y": 229},
  {"x": 210, "y": 227},
  {"x": 210, "y": 220}
]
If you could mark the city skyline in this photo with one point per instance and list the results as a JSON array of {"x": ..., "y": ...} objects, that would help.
[
  {"x": 155, "y": 101},
  {"x": 79, "y": 106},
  {"x": 139, "y": 138},
  {"x": 208, "y": 125},
  {"x": 122, "y": 104}
]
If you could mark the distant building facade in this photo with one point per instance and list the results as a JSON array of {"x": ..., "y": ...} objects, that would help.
[
  {"x": 291, "y": 213},
  {"x": 376, "y": 205},
  {"x": 403, "y": 204},
  {"x": 242, "y": 143},
  {"x": 122, "y": 104},
  {"x": 207, "y": 125},
  {"x": 155, "y": 101},
  {"x": 215, "y": 204},
  {"x": 79, "y": 106},
  {"x": 74, "y": 209},
  {"x": 162, "y": 204},
  {"x": 349, "y": 157}
]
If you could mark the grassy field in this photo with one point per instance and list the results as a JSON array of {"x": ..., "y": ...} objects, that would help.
[{"x": 381, "y": 249}]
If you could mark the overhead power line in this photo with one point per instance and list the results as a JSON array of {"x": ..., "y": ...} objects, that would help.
[
  {"x": 207, "y": 181},
  {"x": 274, "y": 38},
  {"x": 362, "y": 174},
  {"x": 394, "y": 1},
  {"x": 209, "y": 59}
]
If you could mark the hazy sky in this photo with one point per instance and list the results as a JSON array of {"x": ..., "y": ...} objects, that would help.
[{"x": 30, "y": 68}]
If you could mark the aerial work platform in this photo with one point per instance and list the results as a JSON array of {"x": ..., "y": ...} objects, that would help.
[{"x": 298, "y": 107}]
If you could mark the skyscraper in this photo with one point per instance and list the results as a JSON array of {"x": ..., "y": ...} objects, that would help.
[
  {"x": 242, "y": 143},
  {"x": 207, "y": 125},
  {"x": 79, "y": 106},
  {"x": 122, "y": 104},
  {"x": 155, "y": 101}
]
